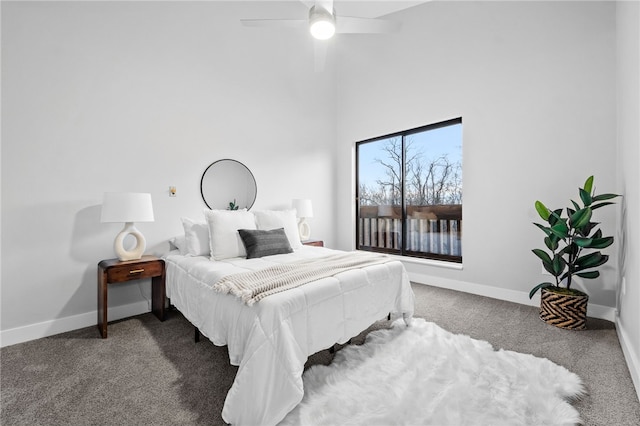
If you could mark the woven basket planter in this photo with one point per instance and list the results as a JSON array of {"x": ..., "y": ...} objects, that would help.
[{"x": 566, "y": 311}]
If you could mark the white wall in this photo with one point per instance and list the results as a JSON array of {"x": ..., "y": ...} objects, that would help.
[
  {"x": 138, "y": 96},
  {"x": 534, "y": 83},
  {"x": 628, "y": 78}
]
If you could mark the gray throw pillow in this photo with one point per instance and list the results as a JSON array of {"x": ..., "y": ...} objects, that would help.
[{"x": 260, "y": 242}]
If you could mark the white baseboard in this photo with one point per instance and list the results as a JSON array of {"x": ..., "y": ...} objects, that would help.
[
  {"x": 521, "y": 297},
  {"x": 630, "y": 355},
  {"x": 61, "y": 325},
  {"x": 74, "y": 322}
]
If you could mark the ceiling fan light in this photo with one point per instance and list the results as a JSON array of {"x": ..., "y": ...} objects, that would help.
[
  {"x": 322, "y": 30},
  {"x": 322, "y": 24}
]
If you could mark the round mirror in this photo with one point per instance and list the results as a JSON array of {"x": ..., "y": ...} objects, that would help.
[{"x": 228, "y": 184}]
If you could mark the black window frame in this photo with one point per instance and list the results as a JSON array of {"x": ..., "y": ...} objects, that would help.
[{"x": 403, "y": 251}]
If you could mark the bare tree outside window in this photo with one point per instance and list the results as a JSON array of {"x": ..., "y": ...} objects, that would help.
[{"x": 409, "y": 193}]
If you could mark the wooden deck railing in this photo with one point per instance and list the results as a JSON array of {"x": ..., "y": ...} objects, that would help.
[
  {"x": 426, "y": 233},
  {"x": 428, "y": 236}
]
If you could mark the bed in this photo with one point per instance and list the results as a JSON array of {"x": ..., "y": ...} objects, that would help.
[{"x": 270, "y": 340}]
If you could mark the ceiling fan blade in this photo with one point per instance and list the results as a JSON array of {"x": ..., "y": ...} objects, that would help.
[
  {"x": 320, "y": 54},
  {"x": 351, "y": 25},
  {"x": 291, "y": 23}
]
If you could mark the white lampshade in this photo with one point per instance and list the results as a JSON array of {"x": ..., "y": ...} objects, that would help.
[
  {"x": 303, "y": 208},
  {"x": 127, "y": 207}
]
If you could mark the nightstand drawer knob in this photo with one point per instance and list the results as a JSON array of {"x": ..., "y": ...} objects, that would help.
[{"x": 136, "y": 271}]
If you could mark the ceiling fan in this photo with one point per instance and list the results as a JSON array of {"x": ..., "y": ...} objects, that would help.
[{"x": 323, "y": 23}]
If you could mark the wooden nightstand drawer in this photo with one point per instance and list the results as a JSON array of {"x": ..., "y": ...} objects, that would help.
[{"x": 135, "y": 271}]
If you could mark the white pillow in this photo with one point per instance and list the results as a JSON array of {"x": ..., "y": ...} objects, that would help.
[
  {"x": 196, "y": 236},
  {"x": 224, "y": 238},
  {"x": 272, "y": 219}
]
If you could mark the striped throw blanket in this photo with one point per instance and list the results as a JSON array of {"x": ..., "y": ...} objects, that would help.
[{"x": 254, "y": 286}]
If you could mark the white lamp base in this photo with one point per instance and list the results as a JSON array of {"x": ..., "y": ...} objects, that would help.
[
  {"x": 136, "y": 252},
  {"x": 304, "y": 229}
]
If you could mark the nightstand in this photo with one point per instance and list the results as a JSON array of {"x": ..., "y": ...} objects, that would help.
[
  {"x": 114, "y": 271},
  {"x": 315, "y": 243}
]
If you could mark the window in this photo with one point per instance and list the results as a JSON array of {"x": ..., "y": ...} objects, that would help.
[{"x": 409, "y": 192}]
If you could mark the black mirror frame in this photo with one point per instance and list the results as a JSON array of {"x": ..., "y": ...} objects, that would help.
[{"x": 235, "y": 161}]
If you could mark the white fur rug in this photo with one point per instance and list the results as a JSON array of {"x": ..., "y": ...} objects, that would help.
[{"x": 424, "y": 375}]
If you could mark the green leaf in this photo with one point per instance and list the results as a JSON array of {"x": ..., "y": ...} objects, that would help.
[
  {"x": 548, "y": 266},
  {"x": 586, "y": 230},
  {"x": 546, "y": 260},
  {"x": 600, "y": 243},
  {"x": 551, "y": 242},
  {"x": 570, "y": 249},
  {"x": 580, "y": 218},
  {"x": 583, "y": 242},
  {"x": 545, "y": 229},
  {"x": 542, "y": 255},
  {"x": 585, "y": 197},
  {"x": 603, "y": 197},
  {"x": 588, "y": 184},
  {"x": 555, "y": 216},
  {"x": 590, "y": 274},
  {"x": 538, "y": 287},
  {"x": 558, "y": 265},
  {"x": 597, "y": 206},
  {"x": 561, "y": 229},
  {"x": 576, "y": 205},
  {"x": 542, "y": 210},
  {"x": 591, "y": 260}
]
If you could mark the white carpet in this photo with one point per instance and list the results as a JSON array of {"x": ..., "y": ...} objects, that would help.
[{"x": 424, "y": 375}]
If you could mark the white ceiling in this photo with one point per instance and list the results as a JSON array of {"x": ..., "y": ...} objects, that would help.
[{"x": 357, "y": 8}]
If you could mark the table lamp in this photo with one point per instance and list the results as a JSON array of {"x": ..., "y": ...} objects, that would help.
[
  {"x": 304, "y": 210},
  {"x": 127, "y": 207}
]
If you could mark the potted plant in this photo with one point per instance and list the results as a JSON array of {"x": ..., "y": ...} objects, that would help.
[{"x": 574, "y": 243}]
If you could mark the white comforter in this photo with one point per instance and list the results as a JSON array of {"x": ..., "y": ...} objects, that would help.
[{"x": 271, "y": 340}]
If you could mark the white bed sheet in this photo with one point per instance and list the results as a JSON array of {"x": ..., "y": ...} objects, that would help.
[{"x": 271, "y": 340}]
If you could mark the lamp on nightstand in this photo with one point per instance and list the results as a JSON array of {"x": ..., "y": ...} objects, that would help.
[
  {"x": 127, "y": 207},
  {"x": 304, "y": 210}
]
